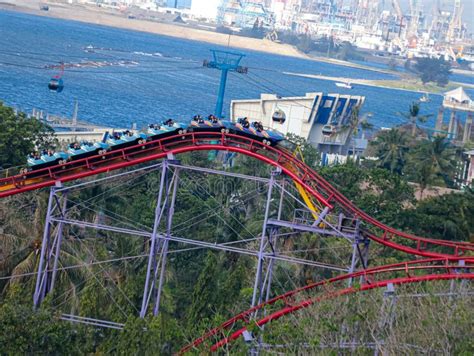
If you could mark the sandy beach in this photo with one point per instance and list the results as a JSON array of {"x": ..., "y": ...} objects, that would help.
[{"x": 114, "y": 18}]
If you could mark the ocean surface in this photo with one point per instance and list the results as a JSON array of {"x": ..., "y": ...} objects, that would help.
[{"x": 151, "y": 77}]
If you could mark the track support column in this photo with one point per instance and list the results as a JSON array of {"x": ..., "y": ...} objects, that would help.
[
  {"x": 50, "y": 246},
  {"x": 159, "y": 242},
  {"x": 164, "y": 250},
  {"x": 387, "y": 316},
  {"x": 262, "y": 281}
]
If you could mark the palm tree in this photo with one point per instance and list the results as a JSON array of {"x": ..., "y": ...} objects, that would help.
[
  {"x": 357, "y": 122},
  {"x": 413, "y": 116},
  {"x": 391, "y": 148},
  {"x": 20, "y": 246},
  {"x": 432, "y": 162}
]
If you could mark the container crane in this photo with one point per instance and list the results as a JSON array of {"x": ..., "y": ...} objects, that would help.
[
  {"x": 455, "y": 26},
  {"x": 396, "y": 6}
]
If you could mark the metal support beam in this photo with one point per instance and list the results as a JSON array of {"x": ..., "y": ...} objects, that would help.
[
  {"x": 226, "y": 62},
  {"x": 50, "y": 246},
  {"x": 260, "y": 283},
  {"x": 164, "y": 250},
  {"x": 159, "y": 242},
  {"x": 387, "y": 314}
]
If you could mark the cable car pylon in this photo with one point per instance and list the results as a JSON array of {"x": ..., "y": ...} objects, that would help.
[{"x": 226, "y": 62}]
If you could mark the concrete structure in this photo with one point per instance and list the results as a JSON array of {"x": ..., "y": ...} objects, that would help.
[
  {"x": 245, "y": 14},
  {"x": 322, "y": 119},
  {"x": 179, "y": 4},
  {"x": 457, "y": 101},
  {"x": 468, "y": 172},
  {"x": 204, "y": 8}
]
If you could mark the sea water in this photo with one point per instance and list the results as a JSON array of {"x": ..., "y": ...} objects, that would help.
[{"x": 140, "y": 78}]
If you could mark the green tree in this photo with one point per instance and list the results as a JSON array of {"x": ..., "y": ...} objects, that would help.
[
  {"x": 433, "y": 70},
  {"x": 305, "y": 44},
  {"x": 431, "y": 162},
  {"x": 27, "y": 332},
  {"x": 152, "y": 336},
  {"x": 20, "y": 135},
  {"x": 448, "y": 217},
  {"x": 310, "y": 153},
  {"x": 390, "y": 149},
  {"x": 413, "y": 116},
  {"x": 204, "y": 294}
]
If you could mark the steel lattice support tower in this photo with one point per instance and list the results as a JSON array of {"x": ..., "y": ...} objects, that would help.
[{"x": 158, "y": 238}]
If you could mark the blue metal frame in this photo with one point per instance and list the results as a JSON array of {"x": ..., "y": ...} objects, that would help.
[{"x": 226, "y": 62}]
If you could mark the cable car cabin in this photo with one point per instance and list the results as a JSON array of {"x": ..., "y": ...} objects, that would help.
[
  {"x": 56, "y": 84},
  {"x": 328, "y": 130},
  {"x": 279, "y": 116}
]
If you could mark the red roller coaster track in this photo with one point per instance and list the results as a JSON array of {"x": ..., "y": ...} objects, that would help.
[
  {"x": 314, "y": 184},
  {"x": 400, "y": 273}
]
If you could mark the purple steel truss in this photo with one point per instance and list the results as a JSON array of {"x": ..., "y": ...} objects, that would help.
[{"x": 267, "y": 254}]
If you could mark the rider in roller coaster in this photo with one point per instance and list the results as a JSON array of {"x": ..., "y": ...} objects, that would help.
[
  {"x": 198, "y": 118},
  {"x": 245, "y": 122},
  {"x": 169, "y": 122},
  {"x": 213, "y": 119},
  {"x": 258, "y": 126}
]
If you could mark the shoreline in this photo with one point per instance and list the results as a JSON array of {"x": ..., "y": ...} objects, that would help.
[
  {"x": 115, "y": 19},
  {"x": 112, "y": 18},
  {"x": 386, "y": 84}
]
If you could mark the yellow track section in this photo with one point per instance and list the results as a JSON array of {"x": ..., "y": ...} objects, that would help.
[{"x": 315, "y": 210}]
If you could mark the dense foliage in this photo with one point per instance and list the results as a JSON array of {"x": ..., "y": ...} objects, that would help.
[
  {"x": 20, "y": 135},
  {"x": 433, "y": 70}
]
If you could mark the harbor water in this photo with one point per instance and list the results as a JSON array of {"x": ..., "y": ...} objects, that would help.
[{"x": 121, "y": 76}]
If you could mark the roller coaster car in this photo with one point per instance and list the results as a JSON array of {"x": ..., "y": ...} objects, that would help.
[
  {"x": 209, "y": 124},
  {"x": 85, "y": 149},
  {"x": 46, "y": 159},
  {"x": 165, "y": 129},
  {"x": 257, "y": 132},
  {"x": 118, "y": 140}
]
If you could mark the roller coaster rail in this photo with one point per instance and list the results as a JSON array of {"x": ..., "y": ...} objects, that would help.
[
  {"x": 314, "y": 184},
  {"x": 409, "y": 272},
  {"x": 446, "y": 260}
]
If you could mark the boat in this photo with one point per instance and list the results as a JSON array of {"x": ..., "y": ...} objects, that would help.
[
  {"x": 425, "y": 98},
  {"x": 346, "y": 85}
]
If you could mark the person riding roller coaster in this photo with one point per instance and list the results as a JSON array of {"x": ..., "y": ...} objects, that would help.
[
  {"x": 34, "y": 155},
  {"x": 213, "y": 119},
  {"x": 199, "y": 119},
  {"x": 258, "y": 126},
  {"x": 75, "y": 146},
  {"x": 245, "y": 122},
  {"x": 169, "y": 122}
]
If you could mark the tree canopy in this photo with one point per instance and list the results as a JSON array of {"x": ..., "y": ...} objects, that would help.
[
  {"x": 19, "y": 135},
  {"x": 433, "y": 70}
]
